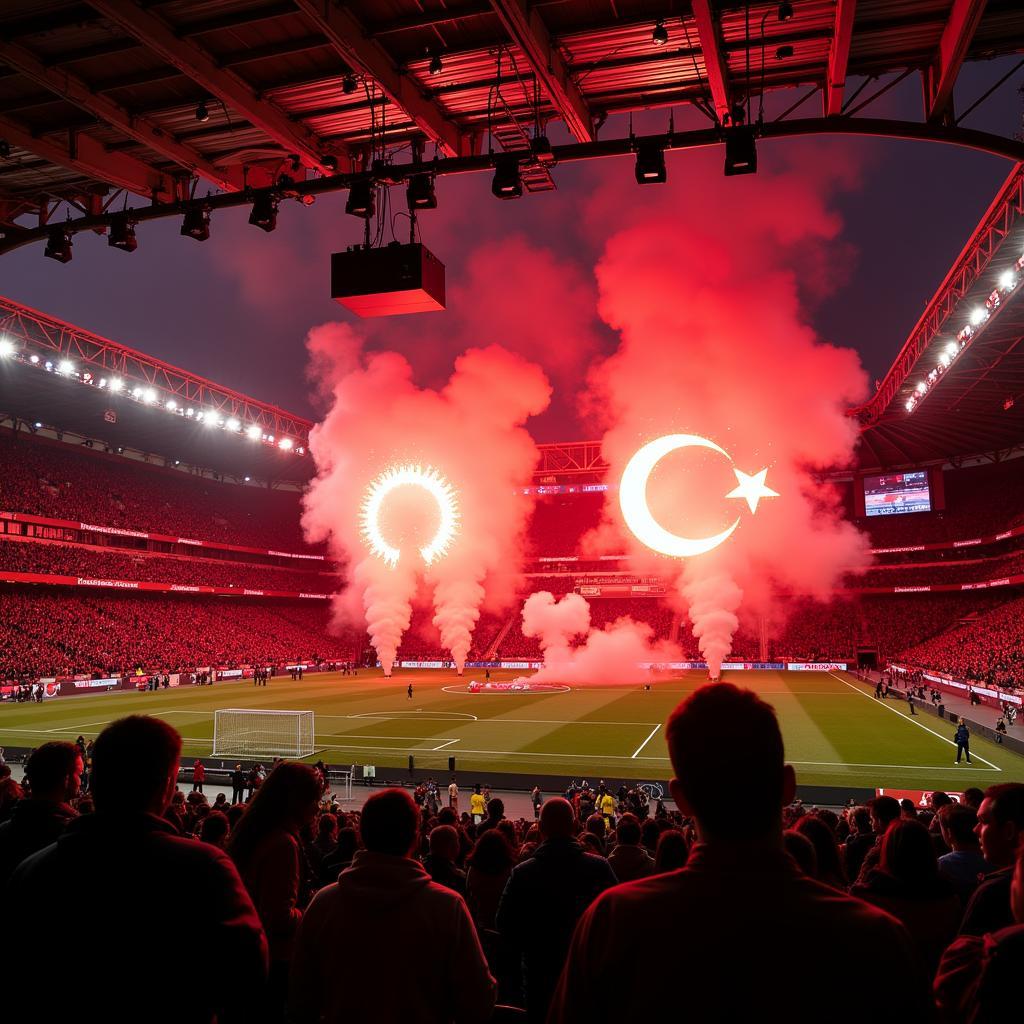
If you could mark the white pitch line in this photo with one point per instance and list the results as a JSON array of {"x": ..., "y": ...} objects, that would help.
[
  {"x": 447, "y": 743},
  {"x": 443, "y": 716},
  {"x": 908, "y": 718},
  {"x": 496, "y": 721},
  {"x": 645, "y": 742}
]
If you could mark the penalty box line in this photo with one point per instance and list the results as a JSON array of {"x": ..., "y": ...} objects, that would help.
[{"x": 909, "y": 718}]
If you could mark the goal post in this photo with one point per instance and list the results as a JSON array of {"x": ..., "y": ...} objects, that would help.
[{"x": 241, "y": 732}]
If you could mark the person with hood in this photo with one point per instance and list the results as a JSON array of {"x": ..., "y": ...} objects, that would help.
[
  {"x": 385, "y": 894},
  {"x": 54, "y": 771},
  {"x": 545, "y": 897},
  {"x": 153, "y": 900}
]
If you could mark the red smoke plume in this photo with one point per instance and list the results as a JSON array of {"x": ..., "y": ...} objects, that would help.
[
  {"x": 706, "y": 287},
  {"x": 471, "y": 431}
]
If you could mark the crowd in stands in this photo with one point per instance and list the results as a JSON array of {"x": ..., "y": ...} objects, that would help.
[
  {"x": 52, "y": 632},
  {"x": 79, "y": 484},
  {"x": 106, "y": 563},
  {"x": 987, "y": 649},
  {"x": 411, "y": 911},
  {"x": 956, "y": 569}
]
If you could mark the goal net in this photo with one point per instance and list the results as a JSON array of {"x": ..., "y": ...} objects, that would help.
[{"x": 240, "y": 732}]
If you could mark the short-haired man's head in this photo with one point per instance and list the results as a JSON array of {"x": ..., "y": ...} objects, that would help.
[
  {"x": 557, "y": 819},
  {"x": 628, "y": 830},
  {"x": 134, "y": 764},
  {"x": 957, "y": 823},
  {"x": 444, "y": 842},
  {"x": 727, "y": 753},
  {"x": 54, "y": 770},
  {"x": 389, "y": 823},
  {"x": 884, "y": 811}
]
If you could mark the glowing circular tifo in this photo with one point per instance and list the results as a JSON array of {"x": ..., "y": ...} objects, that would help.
[
  {"x": 637, "y": 513},
  {"x": 431, "y": 481}
]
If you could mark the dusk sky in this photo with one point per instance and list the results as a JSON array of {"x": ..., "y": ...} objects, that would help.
[{"x": 237, "y": 308}]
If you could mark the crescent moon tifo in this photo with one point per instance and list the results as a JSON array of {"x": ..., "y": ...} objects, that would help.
[{"x": 637, "y": 513}]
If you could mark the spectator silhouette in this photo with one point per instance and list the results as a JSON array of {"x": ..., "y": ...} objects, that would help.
[
  {"x": 266, "y": 848},
  {"x": 979, "y": 977},
  {"x": 154, "y": 901},
  {"x": 964, "y": 863},
  {"x": 860, "y": 840},
  {"x": 672, "y": 851},
  {"x": 826, "y": 851},
  {"x": 628, "y": 859},
  {"x": 884, "y": 810},
  {"x": 384, "y": 897},
  {"x": 544, "y": 899},
  {"x": 440, "y": 861},
  {"x": 1000, "y": 829},
  {"x": 490, "y": 865},
  {"x": 908, "y": 885},
  {"x": 740, "y": 900},
  {"x": 54, "y": 772}
]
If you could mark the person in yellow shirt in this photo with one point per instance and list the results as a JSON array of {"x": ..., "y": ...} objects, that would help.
[
  {"x": 606, "y": 806},
  {"x": 477, "y": 805}
]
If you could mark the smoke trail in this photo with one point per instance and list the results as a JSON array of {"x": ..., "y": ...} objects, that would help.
[
  {"x": 471, "y": 431},
  {"x": 609, "y": 656}
]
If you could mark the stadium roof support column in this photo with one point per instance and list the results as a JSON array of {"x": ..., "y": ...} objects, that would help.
[
  {"x": 839, "y": 57},
  {"x": 715, "y": 65},
  {"x": 156, "y": 35},
  {"x": 75, "y": 91},
  {"x": 365, "y": 55},
  {"x": 527, "y": 29},
  {"x": 940, "y": 76},
  {"x": 83, "y": 154}
]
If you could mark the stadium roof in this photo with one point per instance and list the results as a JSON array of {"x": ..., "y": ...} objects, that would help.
[
  {"x": 956, "y": 389},
  {"x": 156, "y": 97}
]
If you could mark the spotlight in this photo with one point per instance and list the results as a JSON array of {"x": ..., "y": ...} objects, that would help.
[
  {"x": 253, "y": 432},
  {"x": 202, "y": 112},
  {"x": 330, "y": 161},
  {"x": 1007, "y": 279},
  {"x": 264, "y": 212},
  {"x": 740, "y": 150},
  {"x": 921, "y": 387},
  {"x": 33, "y": 359},
  {"x": 360, "y": 202},
  {"x": 952, "y": 348},
  {"x": 149, "y": 396},
  {"x": 232, "y": 424},
  {"x": 196, "y": 223},
  {"x": 65, "y": 366},
  {"x": 6, "y": 347},
  {"x": 171, "y": 405},
  {"x": 419, "y": 193},
  {"x": 978, "y": 315},
  {"x": 248, "y": 478},
  {"x": 507, "y": 183},
  {"x": 435, "y": 64},
  {"x": 116, "y": 385},
  {"x": 660, "y": 34},
  {"x": 785, "y": 11},
  {"x": 285, "y": 443},
  {"x": 783, "y": 52},
  {"x": 650, "y": 164},
  {"x": 122, "y": 234},
  {"x": 58, "y": 245},
  {"x": 349, "y": 84}
]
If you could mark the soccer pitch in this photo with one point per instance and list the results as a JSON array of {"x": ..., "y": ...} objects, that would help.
[{"x": 836, "y": 733}]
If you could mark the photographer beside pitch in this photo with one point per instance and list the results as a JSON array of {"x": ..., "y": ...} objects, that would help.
[{"x": 739, "y": 927}]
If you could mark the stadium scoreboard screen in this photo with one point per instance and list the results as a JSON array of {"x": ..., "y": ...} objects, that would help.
[{"x": 897, "y": 494}]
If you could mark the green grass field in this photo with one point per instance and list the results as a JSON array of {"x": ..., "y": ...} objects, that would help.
[{"x": 836, "y": 734}]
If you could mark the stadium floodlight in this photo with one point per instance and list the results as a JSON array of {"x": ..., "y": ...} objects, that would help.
[
  {"x": 202, "y": 112},
  {"x": 945, "y": 359},
  {"x": 507, "y": 183},
  {"x": 233, "y": 424},
  {"x": 436, "y": 67},
  {"x": 1007, "y": 279},
  {"x": 196, "y": 223},
  {"x": 65, "y": 366},
  {"x": 419, "y": 193},
  {"x": 58, "y": 244},
  {"x": 740, "y": 150},
  {"x": 286, "y": 444},
  {"x": 978, "y": 315},
  {"x": 149, "y": 396},
  {"x": 190, "y": 412},
  {"x": 253, "y": 432},
  {"x": 360, "y": 202},
  {"x": 660, "y": 34},
  {"x": 210, "y": 420},
  {"x": 785, "y": 11},
  {"x": 136, "y": 392},
  {"x": 116, "y": 384},
  {"x": 264, "y": 212},
  {"x": 921, "y": 387},
  {"x": 248, "y": 478},
  {"x": 122, "y": 234},
  {"x": 172, "y": 405},
  {"x": 910, "y": 405},
  {"x": 6, "y": 347},
  {"x": 102, "y": 382},
  {"x": 33, "y": 359},
  {"x": 952, "y": 348},
  {"x": 650, "y": 164}
]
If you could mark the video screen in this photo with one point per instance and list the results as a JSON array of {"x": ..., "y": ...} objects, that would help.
[{"x": 897, "y": 493}]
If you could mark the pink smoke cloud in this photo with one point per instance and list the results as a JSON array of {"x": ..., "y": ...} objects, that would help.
[
  {"x": 704, "y": 287},
  {"x": 609, "y": 656},
  {"x": 471, "y": 431}
]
